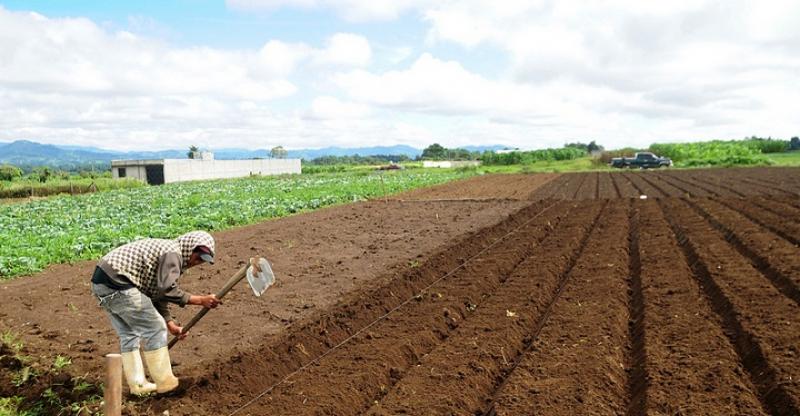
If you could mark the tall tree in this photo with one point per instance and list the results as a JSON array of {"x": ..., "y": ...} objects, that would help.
[
  {"x": 192, "y": 152},
  {"x": 593, "y": 147},
  {"x": 278, "y": 152},
  {"x": 434, "y": 152}
]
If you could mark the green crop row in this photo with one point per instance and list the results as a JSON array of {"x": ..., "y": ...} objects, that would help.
[
  {"x": 22, "y": 188},
  {"x": 719, "y": 153},
  {"x": 68, "y": 228},
  {"x": 529, "y": 157}
]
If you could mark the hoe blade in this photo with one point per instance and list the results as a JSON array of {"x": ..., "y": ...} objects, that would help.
[{"x": 260, "y": 275}]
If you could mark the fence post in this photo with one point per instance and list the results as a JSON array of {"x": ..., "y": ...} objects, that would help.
[{"x": 113, "y": 387}]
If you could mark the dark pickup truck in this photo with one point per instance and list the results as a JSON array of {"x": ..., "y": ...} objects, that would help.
[{"x": 642, "y": 160}]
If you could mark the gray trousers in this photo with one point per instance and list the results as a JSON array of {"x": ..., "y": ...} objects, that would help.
[{"x": 134, "y": 317}]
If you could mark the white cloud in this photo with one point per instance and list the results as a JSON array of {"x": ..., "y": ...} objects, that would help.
[
  {"x": 331, "y": 108},
  {"x": 620, "y": 71},
  {"x": 75, "y": 56},
  {"x": 72, "y": 81},
  {"x": 345, "y": 49},
  {"x": 353, "y": 10},
  {"x": 278, "y": 58}
]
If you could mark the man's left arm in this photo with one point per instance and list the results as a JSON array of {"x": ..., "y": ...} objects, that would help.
[{"x": 169, "y": 270}]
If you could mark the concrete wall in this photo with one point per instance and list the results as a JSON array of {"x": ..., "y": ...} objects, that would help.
[
  {"x": 137, "y": 172},
  {"x": 449, "y": 163},
  {"x": 177, "y": 170}
]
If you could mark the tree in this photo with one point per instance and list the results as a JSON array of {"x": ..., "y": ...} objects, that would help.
[
  {"x": 434, "y": 152},
  {"x": 9, "y": 173},
  {"x": 278, "y": 152},
  {"x": 44, "y": 174},
  {"x": 192, "y": 152},
  {"x": 593, "y": 147},
  {"x": 794, "y": 143}
]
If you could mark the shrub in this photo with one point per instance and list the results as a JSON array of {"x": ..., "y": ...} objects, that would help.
[
  {"x": 9, "y": 173},
  {"x": 768, "y": 145}
]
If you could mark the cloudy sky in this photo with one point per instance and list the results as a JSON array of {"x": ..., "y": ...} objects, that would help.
[{"x": 312, "y": 73}]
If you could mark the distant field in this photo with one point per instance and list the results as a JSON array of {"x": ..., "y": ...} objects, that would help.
[
  {"x": 585, "y": 164},
  {"x": 67, "y": 228},
  {"x": 25, "y": 188},
  {"x": 786, "y": 159}
]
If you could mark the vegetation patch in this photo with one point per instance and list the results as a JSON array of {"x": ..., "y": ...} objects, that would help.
[
  {"x": 530, "y": 157},
  {"x": 32, "y": 388},
  {"x": 69, "y": 228},
  {"x": 721, "y": 153}
]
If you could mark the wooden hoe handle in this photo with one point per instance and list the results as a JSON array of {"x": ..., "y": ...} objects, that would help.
[{"x": 227, "y": 288}]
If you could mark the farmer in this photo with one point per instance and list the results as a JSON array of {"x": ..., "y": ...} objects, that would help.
[{"x": 134, "y": 284}]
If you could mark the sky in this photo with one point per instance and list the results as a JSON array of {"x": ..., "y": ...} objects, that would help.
[{"x": 160, "y": 74}]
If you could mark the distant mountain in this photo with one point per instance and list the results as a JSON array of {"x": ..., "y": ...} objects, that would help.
[
  {"x": 26, "y": 153},
  {"x": 350, "y": 151}
]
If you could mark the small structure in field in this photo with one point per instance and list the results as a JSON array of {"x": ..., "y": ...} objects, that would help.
[
  {"x": 160, "y": 171},
  {"x": 450, "y": 163}
]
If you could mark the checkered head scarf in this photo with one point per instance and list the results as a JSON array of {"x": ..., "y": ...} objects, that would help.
[{"x": 189, "y": 241}]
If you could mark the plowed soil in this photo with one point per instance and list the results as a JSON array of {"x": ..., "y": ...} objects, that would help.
[{"x": 646, "y": 292}]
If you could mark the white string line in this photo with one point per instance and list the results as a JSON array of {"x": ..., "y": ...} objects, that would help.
[{"x": 382, "y": 317}]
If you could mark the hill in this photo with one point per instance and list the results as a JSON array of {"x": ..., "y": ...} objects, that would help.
[{"x": 28, "y": 154}]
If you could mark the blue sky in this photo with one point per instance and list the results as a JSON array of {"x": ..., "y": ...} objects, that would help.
[{"x": 313, "y": 73}]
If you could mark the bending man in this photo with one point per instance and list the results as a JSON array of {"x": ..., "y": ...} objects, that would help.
[{"x": 134, "y": 284}]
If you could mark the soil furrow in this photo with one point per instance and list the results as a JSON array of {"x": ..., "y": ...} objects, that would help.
[
  {"x": 763, "y": 344},
  {"x": 576, "y": 363},
  {"x": 650, "y": 182},
  {"x": 582, "y": 181},
  {"x": 736, "y": 185},
  {"x": 750, "y": 241},
  {"x": 557, "y": 189},
  {"x": 786, "y": 178},
  {"x": 690, "y": 188},
  {"x": 610, "y": 178},
  {"x": 645, "y": 186},
  {"x": 458, "y": 376},
  {"x": 716, "y": 185},
  {"x": 639, "y": 190},
  {"x": 624, "y": 186},
  {"x": 664, "y": 187},
  {"x": 786, "y": 228},
  {"x": 597, "y": 185},
  {"x": 569, "y": 187},
  {"x": 778, "y": 206},
  {"x": 551, "y": 189},
  {"x": 248, "y": 372},
  {"x": 637, "y": 358},
  {"x": 769, "y": 185},
  {"x": 691, "y": 366},
  {"x": 373, "y": 361}
]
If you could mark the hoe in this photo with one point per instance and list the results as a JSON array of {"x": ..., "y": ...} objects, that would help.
[{"x": 259, "y": 276}]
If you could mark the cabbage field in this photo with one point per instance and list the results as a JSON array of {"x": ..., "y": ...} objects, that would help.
[{"x": 68, "y": 228}]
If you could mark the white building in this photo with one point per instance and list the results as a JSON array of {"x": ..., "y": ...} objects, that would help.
[{"x": 160, "y": 171}]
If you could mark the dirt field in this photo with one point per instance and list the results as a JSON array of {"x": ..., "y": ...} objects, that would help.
[{"x": 501, "y": 295}]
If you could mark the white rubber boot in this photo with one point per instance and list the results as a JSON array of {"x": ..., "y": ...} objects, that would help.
[
  {"x": 134, "y": 374},
  {"x": 161, "y": 369}
]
